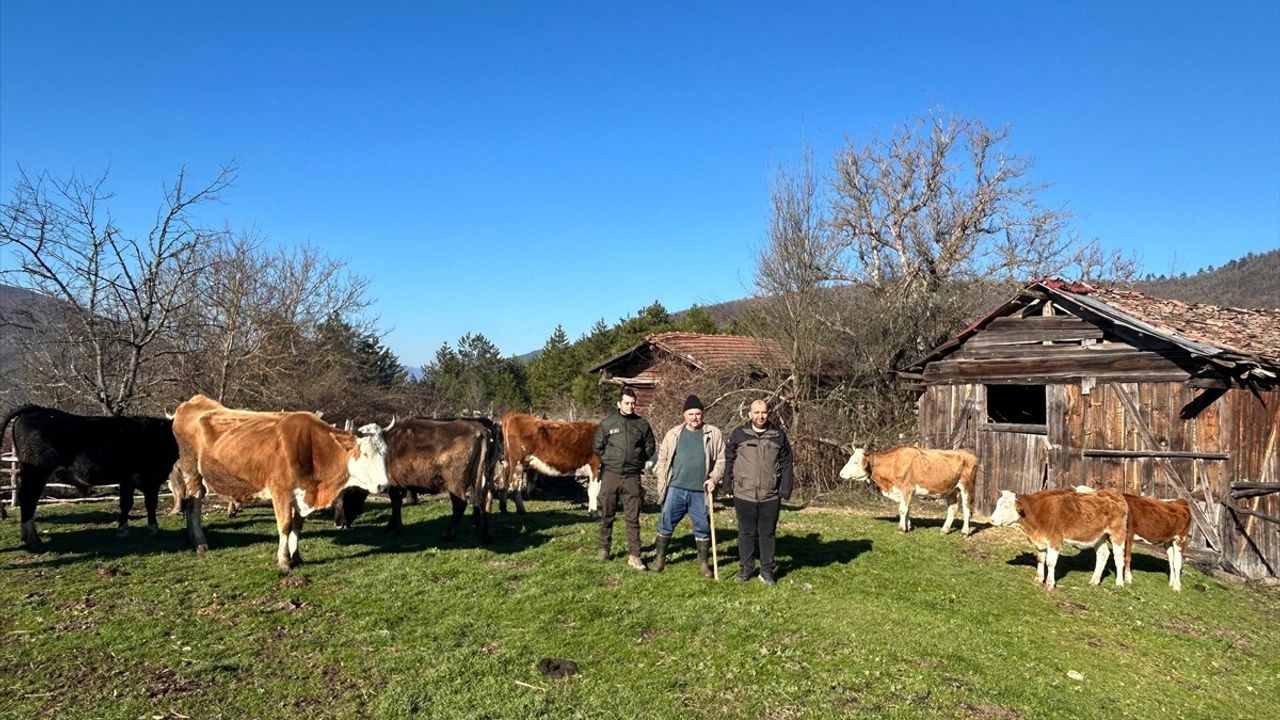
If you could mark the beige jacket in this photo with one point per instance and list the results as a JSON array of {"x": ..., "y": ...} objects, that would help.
[{"x": 712, "y": 445}]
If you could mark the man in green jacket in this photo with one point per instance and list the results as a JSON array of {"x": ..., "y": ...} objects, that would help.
[
  {"x": 624, "y": 442},
  {"x": 758, "y": 469}
]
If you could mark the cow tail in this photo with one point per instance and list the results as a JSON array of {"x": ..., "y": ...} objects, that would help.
[
  {"x": 968, "y": 477},
  {"x": 482, "y": 474},
  {"x": 4, "y": 424}
]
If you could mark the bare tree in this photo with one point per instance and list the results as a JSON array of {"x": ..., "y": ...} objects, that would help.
[{"x": 119, "y": 294}]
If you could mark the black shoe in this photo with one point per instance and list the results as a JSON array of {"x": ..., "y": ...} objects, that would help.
[
  {"x": 766, "y": 577},
  {"x": 744, "y": 575}
]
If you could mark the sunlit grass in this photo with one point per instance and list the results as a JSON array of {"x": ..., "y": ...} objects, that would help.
[{"x": 864, "y": 622}]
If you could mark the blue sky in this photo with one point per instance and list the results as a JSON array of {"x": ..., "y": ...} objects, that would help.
[{"x": 502, "y": 167}]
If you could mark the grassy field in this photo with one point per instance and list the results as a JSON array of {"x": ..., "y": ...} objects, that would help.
[{"x": 864, "y": 622}]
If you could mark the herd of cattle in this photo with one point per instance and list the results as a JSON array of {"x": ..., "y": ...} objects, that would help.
[{"x": 301, "y": 464}]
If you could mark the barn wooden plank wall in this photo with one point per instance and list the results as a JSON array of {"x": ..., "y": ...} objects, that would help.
[{"x": 1117, "y": 416}]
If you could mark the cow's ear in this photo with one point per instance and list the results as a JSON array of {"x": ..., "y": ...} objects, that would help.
[{"x": 1017, "y": 506}]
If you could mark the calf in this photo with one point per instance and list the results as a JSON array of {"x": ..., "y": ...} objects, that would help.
[
  {"x": 1159, "y": 522},
  {"x": 905, "y": 472},
  {"x": 552, "y": 447},
  {"x": 1052, "y": 517},
  {"x": 85, "y": 451}
]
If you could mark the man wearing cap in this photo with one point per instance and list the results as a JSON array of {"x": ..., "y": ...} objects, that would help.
[
  {"x": 690, "y": 464},
  {"x": 624, "y": 442},
  {"x": 759, "y": 471}
]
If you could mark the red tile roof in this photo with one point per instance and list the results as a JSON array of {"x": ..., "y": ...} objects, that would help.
[{"x": 707, "y": 351}]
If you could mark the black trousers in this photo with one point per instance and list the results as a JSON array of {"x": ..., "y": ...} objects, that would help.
[
  {"x": 615, "y": 491},
  {"x": 757, "y": 524}
]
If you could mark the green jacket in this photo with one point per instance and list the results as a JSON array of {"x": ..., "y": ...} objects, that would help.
[{"x": 624, "y": 444}]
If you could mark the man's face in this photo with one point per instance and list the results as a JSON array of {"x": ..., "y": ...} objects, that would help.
[
  {"x": 627, "y": 405},
  {"x": 693, "y": 418},
  {"x": 759, "y": 414}
]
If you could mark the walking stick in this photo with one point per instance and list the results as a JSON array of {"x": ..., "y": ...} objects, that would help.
[{"x": 711, "y": 509}]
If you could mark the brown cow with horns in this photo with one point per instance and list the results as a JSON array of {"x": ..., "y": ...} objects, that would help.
[{"x": 294, "y": 459}]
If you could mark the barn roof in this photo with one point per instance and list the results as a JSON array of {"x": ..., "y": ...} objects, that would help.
[
  {"x": 1232, "y": 337},
  {"x": 703, "y": 352}
]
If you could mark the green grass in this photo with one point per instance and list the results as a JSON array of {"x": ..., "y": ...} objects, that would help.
[{"x": 864, "y": 622}]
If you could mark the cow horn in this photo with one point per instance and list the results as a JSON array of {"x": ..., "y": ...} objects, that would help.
[
  {"x": 393, "y": 423},
  {"x": 349, "y": 426}
]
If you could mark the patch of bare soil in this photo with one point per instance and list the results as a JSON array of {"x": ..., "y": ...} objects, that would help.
[
  {"x": 991, "y": 710},
  {"x": 166, "y": 684},
  {"x": 295, "y": 581},
  {"x": 111, "y": 570}
]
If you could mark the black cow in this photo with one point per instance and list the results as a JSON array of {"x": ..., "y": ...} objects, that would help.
[
  {"x": 84, "y": 451},
  {"x": 455, "y": 455}
]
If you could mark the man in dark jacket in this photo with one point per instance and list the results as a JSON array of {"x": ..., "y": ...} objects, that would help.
[
  {"x": 758, "y": 469},
  {"x": 624, "y": 442}
]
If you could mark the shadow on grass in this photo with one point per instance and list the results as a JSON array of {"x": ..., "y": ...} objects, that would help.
[
  {"x": 1084, "y": 561},
  {"x": 934, "y": 524}
]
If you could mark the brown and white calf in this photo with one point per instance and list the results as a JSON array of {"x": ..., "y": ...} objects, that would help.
[
  {"x": 294, "y": 459},
  {"x": 552, "y": 447},
  {"x": 1052, "y": 517},
  {"x": 905, "y": 472},
  {"x": 1158, "y": 522}
]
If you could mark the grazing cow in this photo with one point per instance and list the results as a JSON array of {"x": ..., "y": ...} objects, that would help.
[
  {"x": 905, "y": 472},
  {"x": 430, "y": 455},
  {"x": 294, "y": 459},
  {"x": 552, "y": 447},
  {"x": 1085, "y": 519},
  {"x": 85, "y": 451}
]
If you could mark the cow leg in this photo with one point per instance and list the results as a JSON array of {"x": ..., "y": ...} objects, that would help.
[
  {"x": 1039, "y": 566},
  {"x": 1050, "y": 567},
  {"x": 179, "y": 490},
  {"x": 195, "y": 533},
  {"x": 904, "y": 514},
  {"x": 518, "y": 497},
  {"x": 459, "y": 509},
  {"x": 29, "y": 491},
  {"x": 1119, "y": 551},
  {"x": 126, "y": 505},
  {"x": 951, "y": 515},
  {"x": 593, "y": 496},
  {"x": 396, "y": 525},
  {"x": 1128, "y": 560},
  {"x": 1103, "y": 551},
  {"x": 481, "y": 519},
  {"x": 151, "y": 500},
  {"x": 285, "y": 511},
  {"x": 295, "y": 532},
  {"x": 965, "y": 530},
  {"x": 1175, "y": 565}
]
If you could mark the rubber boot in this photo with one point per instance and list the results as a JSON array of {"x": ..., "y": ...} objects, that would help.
[
  {"x": 704, "y": 549},
  {"x": 660, "y": 553}
]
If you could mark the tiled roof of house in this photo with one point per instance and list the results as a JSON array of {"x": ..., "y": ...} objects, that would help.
[
  {"x": 1235, "y": 330},
  {"x": 706, "y": 351},
  {"x": 1232, "y": 335}
]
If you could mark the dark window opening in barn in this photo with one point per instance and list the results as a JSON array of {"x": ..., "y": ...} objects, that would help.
[{"x": 1016, "y": 404}]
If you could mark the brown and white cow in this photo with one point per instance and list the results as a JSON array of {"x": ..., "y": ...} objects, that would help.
[
  {"x": 905, "y": 472},
  {"x": 429, "y": 455},
  {"x": 1052, "y": 517},
  {"x": 294, "y": 459},
  {"x": 1159, "y": 522},
  {"x": 552, "y": 447}
]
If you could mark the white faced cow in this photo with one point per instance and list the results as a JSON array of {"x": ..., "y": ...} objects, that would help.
[
  {"x": 1052, "y": 517},
  {"x": 294, "y": 459},
  {"x": 905, "y": 472}
]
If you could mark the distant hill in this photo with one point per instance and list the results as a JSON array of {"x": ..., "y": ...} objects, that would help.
[
  {"x": 1252, "y": 281},
  {"x": 23, "y": 314}
]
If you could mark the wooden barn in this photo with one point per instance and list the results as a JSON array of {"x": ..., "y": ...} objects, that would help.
[
  {"x": 642, "y": 365},
  {"x": 1067, "y": 384}
]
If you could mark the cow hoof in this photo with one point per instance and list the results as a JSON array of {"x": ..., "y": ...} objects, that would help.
[
  {"x": 520, "y": 511},
  {"x": 153, "y": 530},
  {"x": 593, "y": 514},
  {"x": 122, "y": 533},
  {"x": 202, "y": 548}
]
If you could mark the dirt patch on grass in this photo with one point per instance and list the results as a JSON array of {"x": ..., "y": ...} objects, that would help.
[
  {"x": 295, "y": 581},
  {"x": 168, "y": 684},
  {"x": 990, "y": 710},
  {"x": 111, "y": 571}
]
